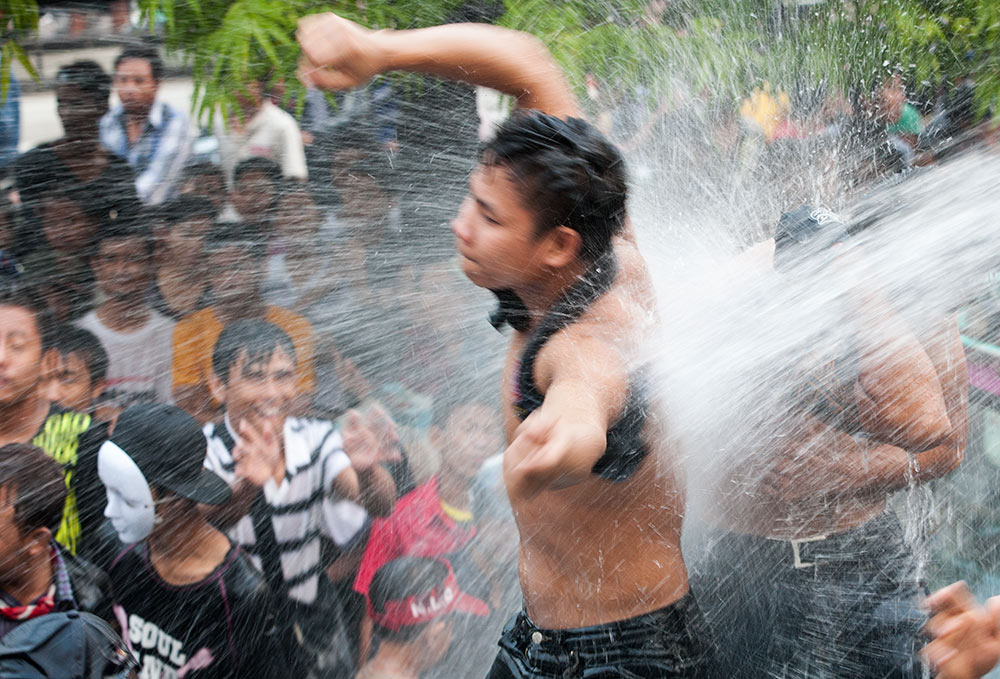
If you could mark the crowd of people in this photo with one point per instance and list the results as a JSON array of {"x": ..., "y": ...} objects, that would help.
[
  {"x": 237, "y": 420},
  {"x": 153, "y": 299}
]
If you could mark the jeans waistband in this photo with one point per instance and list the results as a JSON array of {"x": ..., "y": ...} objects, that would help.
[
  {"x": 679, "y": 630},
  {"x": 862, "y": 543}
]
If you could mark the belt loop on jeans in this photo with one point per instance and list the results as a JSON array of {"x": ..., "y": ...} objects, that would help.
[{"x": 797, "y": 543}]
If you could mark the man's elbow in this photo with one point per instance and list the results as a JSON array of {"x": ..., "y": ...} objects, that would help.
[
  {"x": 928, "y": 430},
  {"x": 936, "y": 464}
]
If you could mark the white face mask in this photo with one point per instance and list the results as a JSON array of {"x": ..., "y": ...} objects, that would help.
[{"x": 130, "y": 502}]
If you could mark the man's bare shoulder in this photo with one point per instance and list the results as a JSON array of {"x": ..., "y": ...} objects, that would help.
[
  {"x": 633, "y": 274},
  {"x": 606, "y": 339}
]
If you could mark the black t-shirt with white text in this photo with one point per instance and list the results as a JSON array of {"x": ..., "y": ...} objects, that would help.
[{"x": 219, "y": 628}]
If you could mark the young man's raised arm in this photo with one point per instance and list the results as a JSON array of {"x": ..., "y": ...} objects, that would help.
[
  {"x": 900, "y": 396},
  {"x": 340, "y": 54}
]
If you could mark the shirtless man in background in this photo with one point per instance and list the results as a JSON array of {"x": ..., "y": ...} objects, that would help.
[
  {"x": 808, "y": 573},
  {"x": 595, "y": 488}
]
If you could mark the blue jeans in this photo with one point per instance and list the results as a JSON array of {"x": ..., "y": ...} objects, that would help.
[
  {"x": 664, "y": 644},
  {"x": 853, "y": 614}
]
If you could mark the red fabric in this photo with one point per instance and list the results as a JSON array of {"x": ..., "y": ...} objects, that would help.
[
  {"x": 40, "y": 606},
  {"x": 417, "y": 527}
]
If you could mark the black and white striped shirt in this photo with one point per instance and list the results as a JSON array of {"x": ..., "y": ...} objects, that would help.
[{"x": 299, "y": 510}]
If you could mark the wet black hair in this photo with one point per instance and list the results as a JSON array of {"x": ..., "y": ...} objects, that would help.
[
  {"x": 258, "y": 338},
  {"x": 571, "y": 174},
  {"x": 249, "y": 237},
  {"x": 401, "y": 578},
  {"x": 264, "y": 166},
  {"x": 89, "y": 77},
  {"x": 147, "y": 53},
  {"x": 21, "y": 291},
  {"x": 185, "y": 207},
  {"x": 38, "y": 485},
  {"x": 69, "y": 339}
]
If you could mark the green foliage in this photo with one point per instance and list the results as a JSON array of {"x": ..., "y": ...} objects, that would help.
[
  {"x": 935, "y": 42},
  {"x": 20, "y": 21},
  {"x": 725, "y": 47},
  {"x": 231, "y": 43}
]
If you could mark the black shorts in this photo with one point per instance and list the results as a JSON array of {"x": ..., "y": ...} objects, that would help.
[{"x": 667, "y": 643}]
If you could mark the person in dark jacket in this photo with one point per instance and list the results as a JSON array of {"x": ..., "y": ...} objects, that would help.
[
  {"x": 188, "y": 601},
  {"x": 37, "y": 576}
]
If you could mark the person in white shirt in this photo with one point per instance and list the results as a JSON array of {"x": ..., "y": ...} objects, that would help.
[
  {"x": 136, "y": 338},
  {"x": 297, "y": 483},
  {"x": 259, "y": 128},
  {"x": 150, "y": 134}
]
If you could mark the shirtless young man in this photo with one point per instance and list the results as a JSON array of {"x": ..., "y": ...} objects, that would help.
[
  {"x": 596, "y": 495},
  {"x": 808, "y": 573}
]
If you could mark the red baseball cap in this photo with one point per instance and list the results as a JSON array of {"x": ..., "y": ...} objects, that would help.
[{"x": 441, "y": 599}]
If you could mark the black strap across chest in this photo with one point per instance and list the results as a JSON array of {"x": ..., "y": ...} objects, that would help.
[{"x": 625, "y": 447}]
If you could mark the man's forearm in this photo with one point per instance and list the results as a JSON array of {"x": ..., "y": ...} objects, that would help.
[
  {"x": 340, "y": 54},
  {"x": 514, "y": 63},
  {"x": 882, "y": 468}
]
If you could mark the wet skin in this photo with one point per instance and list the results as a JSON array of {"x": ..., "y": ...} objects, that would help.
[
  {"x": 600, "y": 551},
  {"x": 591, "y": 551}
]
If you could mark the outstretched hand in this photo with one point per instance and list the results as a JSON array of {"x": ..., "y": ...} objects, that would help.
[
  {"x": 370, "y": 440},
  {"x": 257, "y": 453},
  {"x": 965, "y": 637},
  {"x": 545, "y": 454},
  {"x": 337, "y": 54}
]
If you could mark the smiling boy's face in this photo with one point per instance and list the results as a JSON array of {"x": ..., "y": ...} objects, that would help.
[{"x": 261, "y": 390}]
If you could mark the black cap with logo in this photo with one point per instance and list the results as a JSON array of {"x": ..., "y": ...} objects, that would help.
[
  {"x": 169, "y": 448},
  {"x": 806, "y": 230}
]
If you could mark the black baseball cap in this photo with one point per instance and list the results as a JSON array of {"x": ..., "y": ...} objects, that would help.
[
  {"x": 169, "y": 448},
  {"x": 813, "y": 227}
]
